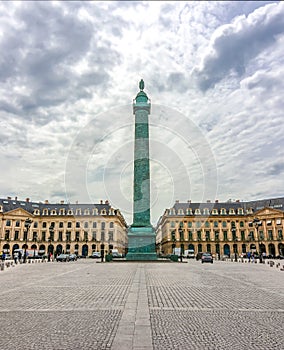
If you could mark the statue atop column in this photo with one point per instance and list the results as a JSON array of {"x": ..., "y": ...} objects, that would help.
[{"x": 141, "y": 85}]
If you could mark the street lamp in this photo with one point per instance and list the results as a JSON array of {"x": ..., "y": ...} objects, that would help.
[
  {"x": 28, "y": 223},
  {"x": 257, "y": 223},
  {"x": 50, "y": 239},
  {"x": 235, "y": 245}
]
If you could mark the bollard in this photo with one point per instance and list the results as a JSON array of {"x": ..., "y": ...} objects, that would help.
[{"x": 2, "y": 266}]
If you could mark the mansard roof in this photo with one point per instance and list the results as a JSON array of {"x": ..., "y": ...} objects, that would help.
[
  {"x": 276, "y": 203},
  {"x": 12, "y": 204}
]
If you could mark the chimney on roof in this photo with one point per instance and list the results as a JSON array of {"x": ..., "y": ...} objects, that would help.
[
  {"x": 107, "y": 202},
  {"x": 189, "y": 201},
  {"x": 27, "y": 200},
  {"x": 216, "y": 201},
  {"x": 61, "y": 202},
  {"x": 177, "y": 201},
  {"x": 16, "y": 198},
  {"x": 46, "y": 201},
  {"x": 9, "y": 198},
  {"x": 208, "y": 201},
  {"x": 237, "y": 201},
  {"x": 101, "y": 201}
]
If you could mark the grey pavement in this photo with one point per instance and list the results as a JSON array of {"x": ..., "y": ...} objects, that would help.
[{"x": 142, "y": 306}]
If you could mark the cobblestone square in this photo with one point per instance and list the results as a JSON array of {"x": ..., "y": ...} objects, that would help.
[{"x": 129, "y": 305}]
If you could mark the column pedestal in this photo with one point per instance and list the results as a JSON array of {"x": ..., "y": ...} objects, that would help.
[{"x": 141, "y": 244}]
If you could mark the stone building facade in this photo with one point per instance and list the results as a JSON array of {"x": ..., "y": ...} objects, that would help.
[
  {"x": 69, "y": 228},
  {"x": 223, "y": 228}
]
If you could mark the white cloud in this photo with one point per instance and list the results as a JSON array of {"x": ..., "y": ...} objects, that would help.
[{"x": 69, "y": 72}]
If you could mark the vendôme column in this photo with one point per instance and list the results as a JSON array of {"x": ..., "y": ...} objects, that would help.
[{"x": 141, "y": 234}]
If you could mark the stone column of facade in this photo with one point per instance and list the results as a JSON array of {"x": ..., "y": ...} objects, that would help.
[{"x": 141, "y": 235}]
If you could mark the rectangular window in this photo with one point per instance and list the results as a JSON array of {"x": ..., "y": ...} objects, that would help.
[
  {"x": 17, "y": 223},
  {"x": 86, "y": 224},
  {"x": 43, "y": 235},
  {"x": 34, "y": 236},
  {"x": 94, "y": 224},
  {"x": 35, "y": 224},
  {"x": 181, "y": 233},
  {"x": 261, "y": 235},
  {"x": 60, "y": 235},
  {"x": 85, "y": 236},
  {"x": 44, "y": 225},
  {"x": 103, "y": 225},
  {"x": 7, "y": 235},
  {"x": 270, "y": 235},
  {"x": 68, "y": 236},
  {"x": 280, "y": 234},
  {"x": 216, "y": 236},
  {"x": 225, "y": 234},
  {"x": 199, "y": 235},
  {"x": 69, "y": 224},
  {"x": 190, "y": 235},
  {"x": 25, "y": 235},
  {"x": 243, "y": 235},
  {"x": 16, "y": 236},
  {"x": 77, "y": 235},
  {"x": 61, "y": 225},
  {"x": 110, "y": 236},
  {"x": 8, "y": 222},
  {"x": 207, "y": 235},
  {"x": 102, "y": 236},
  {"x": 77, "y": 224},
  {"x": 94, "y": 235}
]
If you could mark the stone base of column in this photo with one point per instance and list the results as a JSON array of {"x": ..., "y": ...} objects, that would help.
[{"x": 141, "y": 244}]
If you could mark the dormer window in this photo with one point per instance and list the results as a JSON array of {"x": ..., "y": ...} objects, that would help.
[
  {"x": 62, "y": 211},
  {"x": 188, "y": 211},
  {"x": 87, "y": 212},
  {"x": 103, "y": 212},
  {"x": 78, "y": 211},
  {"x": 180, "y": 212},
  {"x": 172, "y": 211},
  {"x": 214, "y": 212},
  {"x": 240, "y": 211},
  {"x": 53, "y": 212},
  {"x": 197, "y": 212},
  {"x": 223, "y": 211},
  {"x": 1, "y": 208},
  {"x": 45, "y": 212},
  {"x": 232, "y": 212},
  {"x": 70, "y": 212},
  {"x": 206, "y": 211},
  {"x": 111, "y": 211},
  {"x": 249, "y": 211},
  {"x": 36, "y": 212},
  {"x": 95, "y": 211}
]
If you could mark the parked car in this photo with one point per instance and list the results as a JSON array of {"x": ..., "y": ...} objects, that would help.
[
  {"x": 207, "y": 257},
  {"x": 62, "y": 257},
  {"x": 96, "y": 255},
  {"x": 72, "y": 257},
  {"x": 190, "y": 254}
]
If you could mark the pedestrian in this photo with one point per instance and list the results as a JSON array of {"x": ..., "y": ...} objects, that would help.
[
  {"x": 16, "y": 255},
  {"x": 102, "y": 255},
  {"x": 248, "y": 255},
  {"x": 252, "y": 257}
]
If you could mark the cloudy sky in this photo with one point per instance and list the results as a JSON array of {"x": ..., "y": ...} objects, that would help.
[{"x": 214, "y": 72}]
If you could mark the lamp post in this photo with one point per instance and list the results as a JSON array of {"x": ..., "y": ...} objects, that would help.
[
  {"x": 50, "y": 239},
  {"x": 28, "y": 223},
  {"x": 257, "y": 223},
  {"x": 235, "y": 245}
]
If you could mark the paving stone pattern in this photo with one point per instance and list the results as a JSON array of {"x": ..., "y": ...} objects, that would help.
[{"x": 141, "y": 306}]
